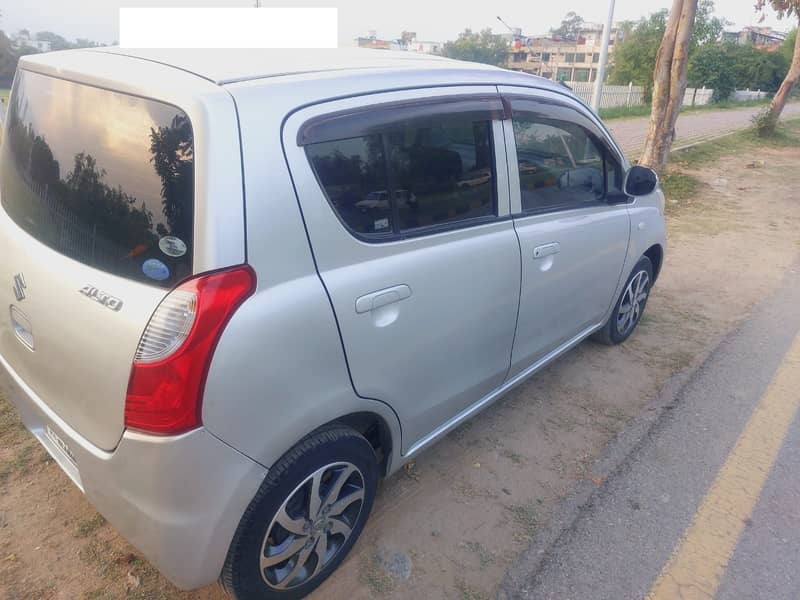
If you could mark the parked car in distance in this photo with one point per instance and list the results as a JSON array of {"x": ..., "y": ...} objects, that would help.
[{"x": 217, "y": 344}]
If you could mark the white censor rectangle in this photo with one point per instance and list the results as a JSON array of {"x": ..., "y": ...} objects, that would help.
[{"x": 149, "y": 27}]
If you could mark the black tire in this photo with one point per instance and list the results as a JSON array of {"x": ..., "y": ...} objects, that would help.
[
  {"x": 611, "y": 333},
  {"x": 338, "y": 445}
]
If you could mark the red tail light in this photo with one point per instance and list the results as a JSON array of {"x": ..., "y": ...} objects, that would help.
[{"x": 165, "y": 390}]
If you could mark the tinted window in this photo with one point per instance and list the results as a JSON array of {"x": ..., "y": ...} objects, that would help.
[
  {"x": 559, "y": 165},
  {"x": 104, "y": 178},
  {"x": 353, "y": 172},
  {"x": 406, "y": 178}
]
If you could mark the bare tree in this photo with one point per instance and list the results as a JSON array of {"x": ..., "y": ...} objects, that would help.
[
  {"x": 767, "y": 122},
  {"x": 669, "y": 83}
]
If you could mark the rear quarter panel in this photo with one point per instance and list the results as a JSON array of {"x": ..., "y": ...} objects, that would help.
[{"x": 279, "y": 370}]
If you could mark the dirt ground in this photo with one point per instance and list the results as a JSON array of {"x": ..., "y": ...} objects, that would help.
[{"x": 451, "y": 524}]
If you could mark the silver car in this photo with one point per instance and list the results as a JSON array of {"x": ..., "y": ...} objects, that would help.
[{"x": 223, "y": 351}]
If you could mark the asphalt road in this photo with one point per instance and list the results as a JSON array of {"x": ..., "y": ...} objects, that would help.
[{"x": 705, "y": 503}]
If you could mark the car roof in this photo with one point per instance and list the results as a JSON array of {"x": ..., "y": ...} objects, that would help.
[{"x": 225, "y": 66}]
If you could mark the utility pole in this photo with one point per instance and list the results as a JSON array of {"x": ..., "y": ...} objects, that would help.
[{"x": 601, "y": 67}]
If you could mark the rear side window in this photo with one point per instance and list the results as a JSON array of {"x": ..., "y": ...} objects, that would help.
[
  {"x": 410, "y": 176},
  {"x": 102, "y": 177},
  {"x": 560, "y": 166}
]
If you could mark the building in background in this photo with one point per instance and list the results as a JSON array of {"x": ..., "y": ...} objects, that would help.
[
  {"x": 23, "y": 39},
  {"x": 553, "y": 57},
  {"x": 407, "y": 42},
  {"x": 764, "y": 38}
]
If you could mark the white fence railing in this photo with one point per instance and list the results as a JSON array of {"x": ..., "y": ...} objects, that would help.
[
  {"x": 747, "y": 95},
  {"x": 697, "y": 96},
  {"x": 613, "y": 95},
  {"x": 633, "y": 95}
]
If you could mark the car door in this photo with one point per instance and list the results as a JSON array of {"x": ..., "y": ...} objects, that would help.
[
  {"x": 571, "y": 218},
  {"x": 405, "y": 198}
]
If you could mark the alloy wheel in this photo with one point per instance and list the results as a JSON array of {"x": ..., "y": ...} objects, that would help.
[
  {"x": 632, "y": 304},
  {"x": 312, "y": 525}
]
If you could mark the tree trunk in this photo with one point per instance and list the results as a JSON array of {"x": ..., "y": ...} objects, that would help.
[
  {"x": 767, "y": 123},
  {"x": 669, "y": 83}
]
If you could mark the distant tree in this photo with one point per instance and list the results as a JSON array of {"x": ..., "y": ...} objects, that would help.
[
  {"x": 484, "y": 47},
  {"x": 767, "y": 122},
  {"x": 787, "y": 47},
  {"x": 707, "y": 27},
  {"x": 9, "y": 57},
  {"x": 757, "y": 68},
  {"x": 56, "y": 41},
  {"x": 570, "y": 26},
  {"x": 8, "y": 60},
  {"x": 712, "y": 66},
  {"x": 85, "y": 43},
  {"x": 635, "y": 55}
]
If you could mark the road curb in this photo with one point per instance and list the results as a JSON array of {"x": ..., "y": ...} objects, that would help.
[
  {"x": 611, "y": 462},
  {"x": 615, "y": 459}
]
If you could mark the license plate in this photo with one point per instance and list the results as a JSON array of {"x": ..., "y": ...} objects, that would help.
[{"x": 60, "y": 444}]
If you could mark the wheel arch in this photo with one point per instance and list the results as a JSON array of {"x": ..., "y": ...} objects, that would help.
[
  {"x": 656, "y": 255},
  {"x": 374, "y": 428}
]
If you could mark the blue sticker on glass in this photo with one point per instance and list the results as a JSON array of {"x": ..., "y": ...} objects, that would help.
[{"x": 155, "y": 269}]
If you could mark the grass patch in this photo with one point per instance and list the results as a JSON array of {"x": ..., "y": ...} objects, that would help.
[
  {"x": 484, "y": 556},
  {"x": 678, "y": 186},
  {"x": 513, "y": 456},
  {"x": 468, "y": 592},
  {"x": 525, "y": 517},
  {"x": 88, "y": 526},
  {"x": 372, "y": 574},
  {"x": 643, "y": 110},
  {"x": 624, "y": 112},
  {"x": 787, "y": 134}
]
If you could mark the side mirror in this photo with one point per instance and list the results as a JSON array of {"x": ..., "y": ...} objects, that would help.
[{"x": 640, "y": 181}]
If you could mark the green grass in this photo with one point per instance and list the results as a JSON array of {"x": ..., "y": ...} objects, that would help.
[
  {"x": 626, "y": 112},
  {"x": 678, "y": 186},
  {"x": 742, "y": 142},
  {"x": 4, "y": 94},
  {"x": 88, "y": 527}
]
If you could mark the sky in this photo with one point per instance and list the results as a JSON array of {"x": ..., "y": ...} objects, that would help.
[{"x": 434, "y": 20}]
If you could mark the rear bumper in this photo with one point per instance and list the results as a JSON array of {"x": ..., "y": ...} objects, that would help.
[{"x": 177, "y": 499}]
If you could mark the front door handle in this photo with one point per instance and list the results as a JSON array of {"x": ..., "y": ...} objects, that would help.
[
  {"x": 546, "y": 250},
  {"x": 375, "y": 300}
]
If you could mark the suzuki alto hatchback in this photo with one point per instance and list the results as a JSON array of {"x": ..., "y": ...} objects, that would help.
[{"x": 239, "y": 287}]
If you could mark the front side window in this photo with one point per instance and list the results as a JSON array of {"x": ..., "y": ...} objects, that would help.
[
  {"x": 409, "y": 176},
  {"x": 560, "y": 166}
]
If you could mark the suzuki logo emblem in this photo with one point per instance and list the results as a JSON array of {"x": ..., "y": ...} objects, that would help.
[{"x": 19, "y": 287}]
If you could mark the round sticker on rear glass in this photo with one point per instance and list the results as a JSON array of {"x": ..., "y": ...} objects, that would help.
[
  {"x": 172, "y": 246},
  {"x": 155, "y": 269}
]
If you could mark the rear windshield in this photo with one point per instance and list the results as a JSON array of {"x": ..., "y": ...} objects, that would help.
[{"x": 102, "y": 177}]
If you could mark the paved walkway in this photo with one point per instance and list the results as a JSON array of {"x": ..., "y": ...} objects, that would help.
[{"x": 692, "y": 127}]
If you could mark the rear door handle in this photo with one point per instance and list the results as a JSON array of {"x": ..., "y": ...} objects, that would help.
[
  {"x": 546, "y": 250},
  {"x": 375, "y": 300}
]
